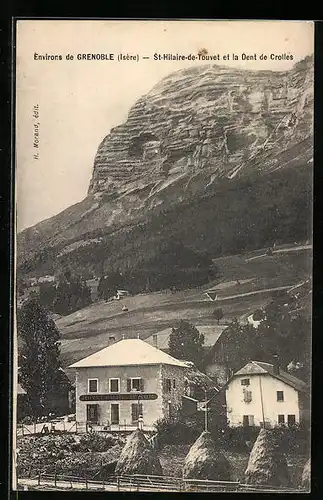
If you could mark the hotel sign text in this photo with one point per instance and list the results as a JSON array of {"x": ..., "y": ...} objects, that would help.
[{"x": 128, "y": 396}]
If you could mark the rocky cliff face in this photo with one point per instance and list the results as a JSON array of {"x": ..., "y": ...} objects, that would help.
[
  {"x": 200, "y": 131},
  {"x": 220, "y": 121}
]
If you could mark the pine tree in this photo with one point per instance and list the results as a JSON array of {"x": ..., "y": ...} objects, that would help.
[
  {"x": 186, "y": 342},
  {"x": 39, "y": 357}
]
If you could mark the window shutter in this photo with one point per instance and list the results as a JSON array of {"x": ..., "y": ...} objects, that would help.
[
  {"x": 247, "y": 396},
  {"x": 128, "y": 385},
  {"x": 134, "y": 412},
  {"x": 140, "y": 409},
  {"x": 142, "y": 385}
]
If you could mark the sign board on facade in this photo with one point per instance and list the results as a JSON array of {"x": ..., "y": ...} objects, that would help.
[{"x": 130, "y": 396}]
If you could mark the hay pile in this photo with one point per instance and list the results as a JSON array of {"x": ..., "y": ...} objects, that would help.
[
  {"x": 204, "y": 461},
  {"x": 267, "y": 463},
  {"x": 138, "y": 457},
  {"x": 306, "y": 476}
]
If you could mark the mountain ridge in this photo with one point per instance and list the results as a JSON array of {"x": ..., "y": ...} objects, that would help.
[{"x": 190, "y": 136}]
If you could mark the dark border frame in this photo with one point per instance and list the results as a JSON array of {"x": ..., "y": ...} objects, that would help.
[{"x": 7, "y": 201}]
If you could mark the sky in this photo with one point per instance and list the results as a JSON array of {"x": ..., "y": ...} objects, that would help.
[{"x": 79, "y": 101}]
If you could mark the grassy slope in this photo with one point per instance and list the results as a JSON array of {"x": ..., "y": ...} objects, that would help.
[
  {"x": 230, "y": 217},
  {"x": 87, "y": 331}
]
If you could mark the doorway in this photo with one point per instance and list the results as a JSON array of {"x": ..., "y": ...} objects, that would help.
[
  {"x": 115, "y": 417},
  {"x": 92, "y": 413}
]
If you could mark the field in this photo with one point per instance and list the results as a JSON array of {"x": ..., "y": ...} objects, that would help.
[
  {"x": 57, "y": 453},
  {"x": 247, "y": 282},
  {"x": 172, "y": 459}
]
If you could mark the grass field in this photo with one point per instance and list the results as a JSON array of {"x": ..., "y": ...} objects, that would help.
[
  {"x": 88, "y": 330},
  {"x": 172, "y": 459}
]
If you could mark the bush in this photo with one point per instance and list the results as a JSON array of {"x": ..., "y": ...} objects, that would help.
[
  {"x": 90, "y": 465},
  {"x": 176, "y": 430},
  {"x": 96, "y": 441},
  {"x": 294, "y": 439}
]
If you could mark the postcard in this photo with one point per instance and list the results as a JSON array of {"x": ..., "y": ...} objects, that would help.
[{"x": 163, "y": 256}]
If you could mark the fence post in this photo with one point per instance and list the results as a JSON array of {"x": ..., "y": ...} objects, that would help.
[
  {"x": 85, "y": 481},
  {"x": 34, "y": 427},
  {"x": 63, "y": 425},
  {"x": 22, "y": 430},
  {"x": 76, "y": 426},
  {"x": 55, "y": 478},
  {"x": 38, "y": 478},
  {"x": 118, "y": 483}
]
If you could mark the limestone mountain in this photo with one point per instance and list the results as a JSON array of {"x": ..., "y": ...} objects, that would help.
[{"x": 220, "y": 157}]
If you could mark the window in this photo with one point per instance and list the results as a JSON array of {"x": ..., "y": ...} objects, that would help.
[
  {"x": 248, "y": 420},
  {"x": 247, "y": 396},
  {"x": 168, "y": 385},
  {"x": 135, "y": 384},
  {"x": 136, "y": 410},
  {"x": 245, "y": 381},
  {"x": 93, "y": 385},
  {"x": 291, "y": 420},
  {"x": 114, "y": 385},
  {"x": 281, "y": 419},
  {"x": 280, "y": 395},
  {"x": 174, "y": 384}
]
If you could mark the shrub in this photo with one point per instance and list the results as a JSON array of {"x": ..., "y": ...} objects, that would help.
[
  {"x": 90, "y": 465},
  {"x": 294, "y": 439},
  {"x": 96, "y": 441},
  {"x": 176, "y": 431}
]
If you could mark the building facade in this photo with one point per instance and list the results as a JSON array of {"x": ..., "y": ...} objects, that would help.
[
  {"x": 261, "y": 394},
  {"x": 128, "y": 382}
]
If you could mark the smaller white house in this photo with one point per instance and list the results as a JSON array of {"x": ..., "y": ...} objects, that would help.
[{"x": 262, "y": 394}]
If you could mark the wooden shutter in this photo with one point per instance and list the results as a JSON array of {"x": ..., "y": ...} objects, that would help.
[
  {"x": 142, "y": 385},
  {"x": 128, "y": 385},
  {"x": 134, "y": 412}
]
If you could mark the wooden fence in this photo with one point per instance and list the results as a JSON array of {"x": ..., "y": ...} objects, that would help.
[
  {"x": 139, "y": 482},
  {"x": 60, "y": 426},
  {"x": 47, "y": 427}
]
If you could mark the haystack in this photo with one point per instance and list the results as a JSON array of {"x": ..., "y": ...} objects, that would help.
[
  {"x": 267, "y": 463},
  {"x": 204, "y": 461},
  {"x": 306, "y": 476},
  {"x": 138, "y": 457}
]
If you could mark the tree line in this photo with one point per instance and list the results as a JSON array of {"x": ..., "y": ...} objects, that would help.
[{"x": 284, "y": 331}]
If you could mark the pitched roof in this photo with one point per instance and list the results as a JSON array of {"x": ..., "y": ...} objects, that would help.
[
  {"x": 128, "y": 352},
  {"x": 211, "y": 334},
  {"x": 194, "y": 376},
  {"x": 259, "y": 367}
]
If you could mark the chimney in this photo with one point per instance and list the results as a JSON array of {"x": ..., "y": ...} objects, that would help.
[
  {"x": 276, "y": 365},
  {"x": 155, "y": 340},
  {"x": 112, "y": 339}
]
